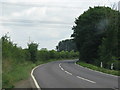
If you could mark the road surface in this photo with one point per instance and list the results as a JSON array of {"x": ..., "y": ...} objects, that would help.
[{"x": 66, "y": 74}]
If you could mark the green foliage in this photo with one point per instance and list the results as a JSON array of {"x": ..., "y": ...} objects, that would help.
[
  {"x": 52, "y": 54},
  {"x": 32, "y": 49},
  {"x": 88, "y": 32},
  {"x": 96, "y": 35},
  {"x": 66, "y": 45},
  {"x": 43, "y": 55},
  {"x": 17, "y": 62},
  {"x": 110, "y": 43},
  {"x": 10, "y": 50}
]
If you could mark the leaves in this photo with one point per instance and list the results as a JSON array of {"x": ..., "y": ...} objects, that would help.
[
  {"x": 95, "y": 33},
  {"x": 66, "y": 45},
  {"x": 32, "y": 49}
]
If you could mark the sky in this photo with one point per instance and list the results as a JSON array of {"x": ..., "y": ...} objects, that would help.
[{"x": 42, "y": 21}]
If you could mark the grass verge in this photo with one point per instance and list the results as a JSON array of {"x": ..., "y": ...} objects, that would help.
[
  {"x": 14, "y": 72},
  {"x": 93, "y": 67}
]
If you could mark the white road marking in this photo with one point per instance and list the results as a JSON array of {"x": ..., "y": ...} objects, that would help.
[
  {"x": 60, "y": 65},
  {"x": 36, "y": 84},
  {"x": 76, "y": 76},
  {"x": 85, "y": 79},
  {"x": 62, "y": 69},
  {"x": 68, "y": 73}
]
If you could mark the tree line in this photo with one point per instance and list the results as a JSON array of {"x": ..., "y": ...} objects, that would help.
[
  {"x": 96, "y": 34},
  {"x": 11, "y": 50},
  {"x": 16, "y": 60},
  {"x": 66, "y": 45}
]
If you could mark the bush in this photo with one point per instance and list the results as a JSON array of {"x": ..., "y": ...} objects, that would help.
[{"x": 17, "y": 62}]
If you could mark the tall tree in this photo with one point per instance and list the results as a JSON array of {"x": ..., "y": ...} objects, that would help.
[
  {"x": 109, "y": 50},
  {"x": 32, "y": 48},
  {"x": 89, "y": 30}
]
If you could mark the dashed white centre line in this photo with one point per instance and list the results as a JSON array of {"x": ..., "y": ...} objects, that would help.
[
  {"x": 85, "y": 79},
  {"x": 68, "y": 73},
  {"x": 60, "y": 65},
  {"x": 62, "y": 69},
  {"x": 76, "y": 76}
]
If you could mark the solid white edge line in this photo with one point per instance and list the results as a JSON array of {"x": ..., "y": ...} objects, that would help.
[
  {"x": 35, "y": 82},
  {"x": 96, "y": 71},
  {"x": 85, "y": 79}
]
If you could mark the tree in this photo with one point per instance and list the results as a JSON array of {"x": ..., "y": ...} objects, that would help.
[
  {"x": 109, "y": 49},
  {"x": 89, "y": 30},
  {"x": 10, "y": 49},
  {"x": 32, "y": 48},
  {"x": 66, "y": 45}
]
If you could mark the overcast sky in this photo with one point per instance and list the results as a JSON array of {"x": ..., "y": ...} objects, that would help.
[{"x": 45, "y": 21}]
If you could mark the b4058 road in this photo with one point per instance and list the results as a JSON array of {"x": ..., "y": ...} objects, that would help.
[{"x": 66, "y": 74}]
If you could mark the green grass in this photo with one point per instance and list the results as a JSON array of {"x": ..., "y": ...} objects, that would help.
[
  {"x": 16, "y": 71},
  {"x": 93, "y": 67}
]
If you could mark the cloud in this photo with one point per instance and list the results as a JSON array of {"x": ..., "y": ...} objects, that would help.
[
  {"x": 31, "y": 13},
  {"x": 4, "y": 30},
  {"x": 45, "y": 21},
  {"x": 45, "y": 1}
]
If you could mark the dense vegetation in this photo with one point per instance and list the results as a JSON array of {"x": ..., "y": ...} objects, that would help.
[
  {"x": 17, "y": 62},
  {"x": 96, "y": 36},
  {"x": 66, "y": 45}
]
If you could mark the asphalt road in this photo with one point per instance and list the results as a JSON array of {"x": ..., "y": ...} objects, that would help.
[{"x": 66, "y": 74}]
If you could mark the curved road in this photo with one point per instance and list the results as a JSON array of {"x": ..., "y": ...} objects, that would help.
[{"x": 66, "y": 74}]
